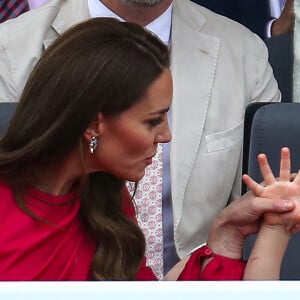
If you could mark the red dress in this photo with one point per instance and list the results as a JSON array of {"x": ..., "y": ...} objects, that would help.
[{"x": 62, "y": 249}]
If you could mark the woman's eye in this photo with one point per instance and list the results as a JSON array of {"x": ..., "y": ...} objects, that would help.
[{"x": 155, "y": 122}]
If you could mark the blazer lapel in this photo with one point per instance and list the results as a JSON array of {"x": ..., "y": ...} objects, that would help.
[
  {"x": 70, "y": 12},
  {"x": 193, "y": 60}
]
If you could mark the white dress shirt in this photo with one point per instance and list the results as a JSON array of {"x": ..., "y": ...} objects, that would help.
[
  {"x": 36, "y": 3},
  {"x": 276, "y": 6},
  {"x": 160, "y": 26}
]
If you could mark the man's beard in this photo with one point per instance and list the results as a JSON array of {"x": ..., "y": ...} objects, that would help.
[{"x": 143, "y": 3}]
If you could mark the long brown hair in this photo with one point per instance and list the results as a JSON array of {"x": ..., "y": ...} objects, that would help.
[{"x": 101, "y": 65}]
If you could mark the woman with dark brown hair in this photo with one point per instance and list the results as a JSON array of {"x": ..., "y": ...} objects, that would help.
[{"x": 90, "y": 117}]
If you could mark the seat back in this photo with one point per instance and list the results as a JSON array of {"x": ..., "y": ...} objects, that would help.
[
  {"x": 6, "y": 111},
  {"x": 281, "y": 58},
  {"x": 274, "y": 126}
]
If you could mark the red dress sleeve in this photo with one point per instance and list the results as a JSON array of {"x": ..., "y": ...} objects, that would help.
[
  {"x": 219, "y": 268},
  {"x": 145, "y": 273}
]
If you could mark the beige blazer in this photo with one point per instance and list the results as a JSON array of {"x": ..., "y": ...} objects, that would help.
[{"x": 218, "y": 68}]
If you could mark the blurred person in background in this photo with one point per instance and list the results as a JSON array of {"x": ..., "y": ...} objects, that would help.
[{"x": 12, "y": 8}]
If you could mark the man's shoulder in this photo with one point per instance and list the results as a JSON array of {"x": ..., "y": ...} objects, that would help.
[
  {"x": 29, "y": 25},
  {"x": 58, "y": 15},
  {"x": 212, "y": 23},
  {"x": 22, "y": 40}
]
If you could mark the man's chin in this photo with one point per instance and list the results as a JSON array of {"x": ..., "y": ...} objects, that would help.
[{"x": 143, "y": 3}]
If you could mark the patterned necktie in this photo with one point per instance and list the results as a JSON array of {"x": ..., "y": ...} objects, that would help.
[
  {"x": 148, "y": 201},
  {"x": 12, "y": 8}
]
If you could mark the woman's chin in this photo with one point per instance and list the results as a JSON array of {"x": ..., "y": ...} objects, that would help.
[{"x": 136, "y": 177}]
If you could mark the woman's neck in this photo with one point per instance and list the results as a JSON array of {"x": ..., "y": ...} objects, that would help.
[
  {"x": 55, "y": 187},
  {"x": 60, "y": 178}
]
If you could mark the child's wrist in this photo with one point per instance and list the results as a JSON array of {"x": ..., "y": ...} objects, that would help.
[{"x": 278, "y": 228}]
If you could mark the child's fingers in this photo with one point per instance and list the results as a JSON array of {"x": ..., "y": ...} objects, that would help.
[
  {"x": 296, "y": 180},
  {"x": 285, "y": 165},
  {"x": 265, "y": 169},
  {"x": 295, "y": 228},
  {"x": 256, "y": 188}
]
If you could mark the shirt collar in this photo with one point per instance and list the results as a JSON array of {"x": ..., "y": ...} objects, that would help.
[{"x": 161, "y": 26}]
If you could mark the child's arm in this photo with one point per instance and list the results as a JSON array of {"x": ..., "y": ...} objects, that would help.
[
  {"x": 273, "y": 237},
  {"x": 265, "y": 259}
]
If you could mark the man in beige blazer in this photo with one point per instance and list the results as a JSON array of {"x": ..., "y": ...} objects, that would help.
[{"x": 218, "y": 67}]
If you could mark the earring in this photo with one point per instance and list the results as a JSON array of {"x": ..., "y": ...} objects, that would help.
[{"x": 93, "y": 144}]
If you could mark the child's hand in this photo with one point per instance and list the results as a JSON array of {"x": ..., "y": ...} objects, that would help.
[{"x": 282, "y": 187}]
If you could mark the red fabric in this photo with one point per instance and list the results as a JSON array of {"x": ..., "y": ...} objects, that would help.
[
  {"x": 219, "y": 268},
  {"x": 33, "y": 250},
  {"x": 145, "y": 273}
]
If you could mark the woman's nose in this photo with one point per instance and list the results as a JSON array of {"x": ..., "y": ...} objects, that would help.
[{"x": 165, "y": 135}]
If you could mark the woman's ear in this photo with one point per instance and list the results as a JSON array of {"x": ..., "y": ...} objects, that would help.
[{"x": 95, "y": 128}]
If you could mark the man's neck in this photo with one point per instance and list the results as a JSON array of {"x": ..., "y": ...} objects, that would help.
[{"x": 139, "y": 15}]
